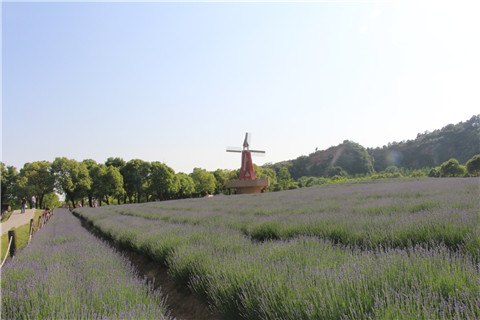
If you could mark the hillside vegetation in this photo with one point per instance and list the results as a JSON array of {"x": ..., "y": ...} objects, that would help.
[{"x": 430, "y": 149}]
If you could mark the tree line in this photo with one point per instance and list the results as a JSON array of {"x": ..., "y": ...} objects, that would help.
[
  {"x": 117, "y": 182},
  {"x": 135, "y": 181}
]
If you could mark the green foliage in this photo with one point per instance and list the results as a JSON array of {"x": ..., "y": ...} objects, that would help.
[
  {"x": 452, "y": 168},
  {"x": 418, "y": 174},
  {"x": 71, "y": 178},
  {"x": 9, "y": 177},
  {"x": 473, "y": 166},
  {"x": 186, "y": 185},
  {"x": 267, "y": 173},
  {"x": 385, "y": 175},
  {"x": 223, "y": 176},
  {"x": 434, "y": 172},
  {"x": 162, "y": 184},
  {"x": 431, "y": 149},
  {"x": 51, "y": 201},
  {"x": 113, "y": 181},
  {"x": 93, "y": 173},
  {"x": 336, "y": 171},
  {"x": 135, "y": 173},
  {"x": 311, "y": 181},
  {"x": 391, "y": 169},
  {"x": 284, "y": 174},
  {"x": 118, "y": 163},
  {"x": 40, "y": 180},
  {"x": 107, "y": 181},
  {"x": 205, "y": 182},
  {"x": 284, "y": 180},
  {"x": 349, "y": 156}
]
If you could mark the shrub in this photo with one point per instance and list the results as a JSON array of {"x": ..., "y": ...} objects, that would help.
[
  {"x": 452, "y": 168},
  {"x": 473, "y": 166}
]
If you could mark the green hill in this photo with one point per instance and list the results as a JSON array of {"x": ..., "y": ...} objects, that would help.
[{"x": 430, "y": 149}]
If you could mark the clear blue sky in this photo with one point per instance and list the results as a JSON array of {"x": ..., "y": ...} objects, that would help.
[{"x": 179, "y": 82}]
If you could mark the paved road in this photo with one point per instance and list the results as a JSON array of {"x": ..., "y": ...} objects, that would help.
[{"x": 17, "y": 219}]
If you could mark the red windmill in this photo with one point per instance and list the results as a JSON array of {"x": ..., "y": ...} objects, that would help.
[{"x": 247, "y": 182}]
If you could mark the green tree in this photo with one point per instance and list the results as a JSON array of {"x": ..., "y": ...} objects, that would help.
[
  {"x": 21, "y": 189},
  {"x": 284, "y": 174},
  {"x": 186, "y": 185},
  {"x": 336, "y": 171},
  {"x": 452, "y": 168},
  {"x": 221, "y": 177},
  {"x": 205, "y": 182},
  {"x": 284, "y": 180},
  {"x": 51, "y": 200},
  {"x": 9, "y": 178},
  {"x": 71, "y": 178},
  {"x": 113, "y": 183},
  {"x": 98, "y": 185},
  {"x": 91, "y": 167},
  {"x": 135, "y": 174},
  {"x": 271, "y": 175},
  {"x": 418, "y": 174},
  {"x": 40, "y": 180},
  {"x": 391, "y": 169},
  {"x": 473, "y": 166},
  {"x": 106, "y": 182},
  {"x": 118, "y": 163},
  {"x": 434, "y": 172},
  {"x": 162, "y": 184}
]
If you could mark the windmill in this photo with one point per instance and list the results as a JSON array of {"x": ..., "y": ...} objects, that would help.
[{"x": 247, "y": 182}]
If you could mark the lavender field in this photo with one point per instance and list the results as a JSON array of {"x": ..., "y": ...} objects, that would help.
[
  {"x": 67, "y": 273},
  {"x": 400, "y": 249}
]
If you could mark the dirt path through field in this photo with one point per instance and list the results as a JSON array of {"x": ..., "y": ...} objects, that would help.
[
  {"x": 17, "y": 219},
  {"x": 181, "y": 303}
]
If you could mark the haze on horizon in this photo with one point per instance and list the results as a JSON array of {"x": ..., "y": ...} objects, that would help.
[{"x": 179, "y": 82}]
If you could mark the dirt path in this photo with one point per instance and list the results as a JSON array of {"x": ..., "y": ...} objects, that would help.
[
  {"x": 17, "y": 219},
  {"x": 181, "y": 303}
]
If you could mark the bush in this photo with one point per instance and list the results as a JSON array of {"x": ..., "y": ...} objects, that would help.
[
  {"x": 434, "y": 173},
  {"x": 391, "y": 169},
  {"x": 473, "y": 166},
  {"x": 418, "y": 174},
  {"x": 452, "y": 168}
]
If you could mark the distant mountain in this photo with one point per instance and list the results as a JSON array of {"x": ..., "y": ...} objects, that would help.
[{"x": 429, "y": 149}]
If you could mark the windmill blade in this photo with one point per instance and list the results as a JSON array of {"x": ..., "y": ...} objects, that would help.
[
  {"x": 234, "y": 149},
  {"x": 246, "y": 142},
  {"x": 258, "y": 154},
  {"x": 257, "y": 151}
]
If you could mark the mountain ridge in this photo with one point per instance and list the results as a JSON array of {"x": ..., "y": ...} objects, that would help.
[{"x": 429, "y": 149}]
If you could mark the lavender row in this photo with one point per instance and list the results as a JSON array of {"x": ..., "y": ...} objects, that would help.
[
  {"x": 396, "y": 215},
  {"x": 205, "y": 246},
  {"x": 305, "y": 278},
  {"x": 67, "y": 273}
]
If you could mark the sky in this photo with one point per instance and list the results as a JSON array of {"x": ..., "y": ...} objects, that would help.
[{"x": 179, "y": 82}]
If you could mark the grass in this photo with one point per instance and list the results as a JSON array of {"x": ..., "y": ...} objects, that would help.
[
  {"x": 7, "y": 215},
  {"x": 22, "y": 234}
]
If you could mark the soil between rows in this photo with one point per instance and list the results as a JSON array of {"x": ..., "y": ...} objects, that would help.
[{"x": 181, "y": 302}]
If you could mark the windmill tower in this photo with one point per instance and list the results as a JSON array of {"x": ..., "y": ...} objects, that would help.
[{"x": 247, "y": 182}]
